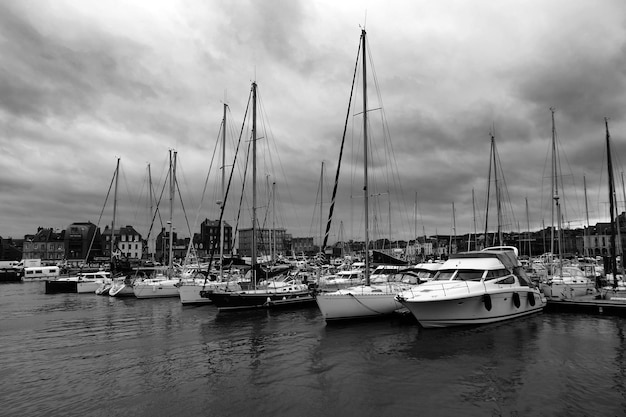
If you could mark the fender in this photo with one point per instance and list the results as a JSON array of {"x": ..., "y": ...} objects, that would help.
[
  {"x": 516, "y": 300},
  {"x": 487, "y": 301}
]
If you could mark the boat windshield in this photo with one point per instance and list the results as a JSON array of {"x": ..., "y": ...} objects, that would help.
[
  {"x": 469, "y": 275},
  {"x": 444, "y": 275},
  {"x": 497, "y": 273}
]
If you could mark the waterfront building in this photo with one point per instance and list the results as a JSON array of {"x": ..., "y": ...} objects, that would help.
[
  {"x": 209, "y": 233},
  {"x": 269, "y": 241},
  {"x": 47, "y": 245},
  {"x": 128, "y": 243},
  {"x": 83, "y": 239},
  {"x": 9, "y": 250},
  {"x": 302, "y": 245}
]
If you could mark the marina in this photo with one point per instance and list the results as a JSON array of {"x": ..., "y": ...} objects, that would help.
[
  {"x": 218, "y": 272},
  {"x": 72, "y": 354}
]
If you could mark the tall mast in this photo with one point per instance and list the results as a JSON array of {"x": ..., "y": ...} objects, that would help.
[
  {"x": 488, "y": 192},
  {"x": 172, "y": 193},
  {"x": 365, "y": 189},
  {"x": 498, "y": 197},
  {"x": 586, "y": 236},
  {"x": 223, "y": 201},
  {"x": 530, "y": 254},
  {"x": 321, "y": 207},
  {"x": 613, "y": 262},
  {"x": 254, "y": 236},
  {"x": 619, "y": 248},
  {"x": 151, "y": 207},
  {"x": 555, "y": 196},
  {"x": 117, "y": 175},
  {"x": 273, "y": 247},
  {"x": 474, "y": 215},
  {"x": 415, "y": 227},
  {"x": 453, "y": 227}
]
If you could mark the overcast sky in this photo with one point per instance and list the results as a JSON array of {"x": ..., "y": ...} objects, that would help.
[{"x": 84, "y": 82}]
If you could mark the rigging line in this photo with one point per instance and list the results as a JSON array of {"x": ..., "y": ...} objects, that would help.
[
  {"x": 157, "y": 207},
  {"x": 230, "y": 178},
  {"x": 245, "y": 171},
  {"x": 343, "y": 138},
  {"x": 206, "y": 181},
  {"x": 100, "y": 218},
  {"x": 140, "y": 198},
  {"x": 125, "y": 180},
  {"x": 272, "y": 143}
]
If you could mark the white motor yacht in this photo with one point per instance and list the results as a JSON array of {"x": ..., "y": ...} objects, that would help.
[{"x": 474, "y": 288}]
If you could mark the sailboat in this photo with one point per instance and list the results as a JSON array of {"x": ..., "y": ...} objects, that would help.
[
  {"x": 275, "y": 294},
  {"x": 89, "y": 282},
  {"x": 367, "y": 300},
  {"x": 566, "y": 281},
  {"x": 616, "y": 291},
  {"x": 193, "y": 290},
  {"x": 163, "y": 286}
]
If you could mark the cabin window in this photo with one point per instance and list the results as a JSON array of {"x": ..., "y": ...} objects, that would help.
[
  {"x": 444, "y": 275},
  {"x": 508, "y": 280},
  {"x": 497, "y": 273},
  {"x": 469, "y": 275}
]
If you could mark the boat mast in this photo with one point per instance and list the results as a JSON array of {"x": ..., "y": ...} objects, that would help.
[
  {"x": 172, "y": 193},
  {"x": 223, "y": 201},
  {"x": 497, "y": 188},
  {"x": 273, "y": 244},
  {"x": 613, "y": 262},
  {"x": 151, "y": 211},
  {"x": 488, "y": 192},
  {"x": 530, "y": 254},
  {"x": 586, "y": 235},
  {"x": 117, "y": 175},
  {"x": 365, "y": 189},
  {"x": 254, "y": 237},
  {"x": 555, "y": 197},
  {"x": 619, "y": 233},
  {"x": 469, "y": 241},
  {"x": 321, "y": 207},
  {"x": 453, "y": 229}
]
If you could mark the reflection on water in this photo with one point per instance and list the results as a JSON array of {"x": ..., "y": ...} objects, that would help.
[{"x": 76, "y": 355}]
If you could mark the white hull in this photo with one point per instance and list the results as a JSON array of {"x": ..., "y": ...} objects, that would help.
[
  {"x": 121, "y": 290},
  {"x": 156, "y": 289},
  {"x": 359, "y": 302},
  {"x": 566, "y": 291},
  {"x": 190, "y": 294},
  {"x": 88, "y": 286},
  {"x": 455, "y": 311}
]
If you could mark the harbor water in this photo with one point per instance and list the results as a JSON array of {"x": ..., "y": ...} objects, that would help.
[{"x": 89, "y": 355}]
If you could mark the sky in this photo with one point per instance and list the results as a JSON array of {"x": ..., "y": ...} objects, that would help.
[{"x": 83, "y": 83}]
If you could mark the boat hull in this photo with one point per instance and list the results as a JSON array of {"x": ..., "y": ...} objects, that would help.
[
  {"x": 121, "y": 290},
  {"x": 87, "y": 287},
  {"x": 61, "y": 286},
  {"x": 560, "y": 291},
  {"x": 240, "y": 300},
  {"x": 358, "y": 303},
  {"x": 475, "y": 309},
  {"x": 164, "y": 289},
  {"x": 190, "y": 294}
]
